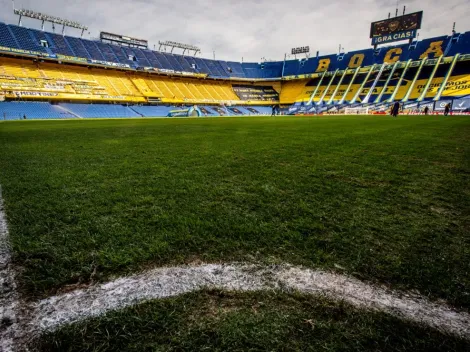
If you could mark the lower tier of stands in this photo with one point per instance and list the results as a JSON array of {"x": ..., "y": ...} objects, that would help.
[
  {"x": 100, "y": 110},
  {"x": 43, "y": 110},
  {"x": 32, "y": 110}
]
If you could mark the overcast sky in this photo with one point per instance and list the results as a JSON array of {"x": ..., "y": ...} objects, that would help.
[{"x": 251, "y": 29}]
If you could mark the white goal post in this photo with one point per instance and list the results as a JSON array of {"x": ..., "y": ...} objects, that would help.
[{"x": 357, "y": 111}]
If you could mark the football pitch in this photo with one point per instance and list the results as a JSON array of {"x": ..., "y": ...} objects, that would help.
[{"x": 383, "y": 200}]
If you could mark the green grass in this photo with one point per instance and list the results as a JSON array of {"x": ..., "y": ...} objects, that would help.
[
  {"x": 387, "y": 199},
  {"x": 217, "y": 321}
]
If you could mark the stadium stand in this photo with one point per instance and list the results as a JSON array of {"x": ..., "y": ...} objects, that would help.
[
  {"x": 42, "y": 66},
  {"x": 294, "y": 90},
  {"x": 32, "y": 110},
  {"x": 152, "y": 111},
  {"x": 100, "y": 110}
]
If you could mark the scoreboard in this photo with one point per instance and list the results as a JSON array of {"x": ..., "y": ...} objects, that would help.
[
  {"x": 123, "y": 40},
  {"x": 396, "y": 29},
  {"x": 300, "y": 50}
]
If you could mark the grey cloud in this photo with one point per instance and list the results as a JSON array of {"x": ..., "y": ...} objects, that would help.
[{"x": 246, "y": 28}]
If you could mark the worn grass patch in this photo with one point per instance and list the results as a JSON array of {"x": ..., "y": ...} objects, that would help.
[
  {"x": 217, "y": 321},
  {"x": 383, "y": 199}
]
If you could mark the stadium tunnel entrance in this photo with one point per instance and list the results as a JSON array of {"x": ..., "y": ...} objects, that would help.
[{"x": 193, "y": 111}]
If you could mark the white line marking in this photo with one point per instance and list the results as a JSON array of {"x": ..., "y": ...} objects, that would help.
[
  {"x": 57, "y": 311},
  {"x": 9, "y": 305},
  {"x": 54, "y": 312}
]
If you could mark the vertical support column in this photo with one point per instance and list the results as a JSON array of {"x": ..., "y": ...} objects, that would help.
[
  {"x": 431, "y": 77},
  {"x": 350, "y": 85},
  {"x": 400, "y": 81},
  {"x": 361, "y": 88},
  {"x": 337, "y": 87},
  {"x": 283, "y": 65},
  {"x": 446, "y": 79},
  {"x": 410, "y": 90},
  {"x": 374, "y": 84},
  {"x": 316, "y": 89},
  {"x": 392, "y": 72},
  {"x": 328, "y": 87}
]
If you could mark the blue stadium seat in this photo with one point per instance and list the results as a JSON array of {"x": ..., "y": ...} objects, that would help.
[
  {"x": 153, "y": 111},
  {"x": 59, "y": 45},
  {"x": 26, "y": 39},
  {"x": 7, "y": 38},
  {"x": 201, "y": 65},
  {"x": 93, "y": 50},
  {"x": 152, "y": 58},
  {"x": 107, "y": 52},
  {"x": 141, "y": 58},
  {"x": 162, "y": 59},
  {"x": 100, "y": 110},
  {"x": 175, "y": 65},
  {"x": 32, "y": 110},
  {"x": 78, "y": 47}
]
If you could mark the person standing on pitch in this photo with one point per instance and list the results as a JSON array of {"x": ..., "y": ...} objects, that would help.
[
  {"x": 447, "y": 110},
  {"x": 396, "y": 109},
  {"x": 426, "y": 110}
]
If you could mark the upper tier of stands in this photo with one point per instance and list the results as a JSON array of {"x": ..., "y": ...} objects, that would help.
[
  {"x": 12, "y": 36},
  {"x": 24, "y": 78}
]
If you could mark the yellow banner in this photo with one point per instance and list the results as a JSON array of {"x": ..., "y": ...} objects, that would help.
[
  {"x": 21, "y": 51},
  {"x": 70, "y": 96},
  {"x": 71, "y": 58}
]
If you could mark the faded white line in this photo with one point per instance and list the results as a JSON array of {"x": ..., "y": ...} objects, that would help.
[
  {"x": 10, "y": 328},
  {"x": 95, "y": 301},
  {"x": 54, "y": 312}
]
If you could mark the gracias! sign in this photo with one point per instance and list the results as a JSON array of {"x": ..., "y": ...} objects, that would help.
[
  {"x": 394, "y": 37},
  {"x": 396, "y": 29}
]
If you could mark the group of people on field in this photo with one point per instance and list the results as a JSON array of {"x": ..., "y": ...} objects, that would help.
[{"x": 396, "y": 109}]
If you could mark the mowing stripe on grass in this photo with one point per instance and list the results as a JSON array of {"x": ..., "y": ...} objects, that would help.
[
  {"x": 9, "y": 303},
  {"x": 56, "y": 311}
]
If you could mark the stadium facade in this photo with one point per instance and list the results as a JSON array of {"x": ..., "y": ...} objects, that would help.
[{"x": 49, "y": 75}]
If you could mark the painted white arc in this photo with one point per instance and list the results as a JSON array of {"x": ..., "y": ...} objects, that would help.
[
  {"x": 95, "y": 301},
  {"x": 10, "y": 328},
  {"x": 54, "y": 312}
]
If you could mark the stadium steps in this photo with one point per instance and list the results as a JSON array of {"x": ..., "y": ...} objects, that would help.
[
  {"x": 203, "y": 88},
  {"x": 141, "y": 59},
  {"x": 93, "y": 50},
  {"x": 77, "y": 46},
  {"x": 152, "y": 58},
  {"x": 60, "y": 107},
  {"x": 152, "y": 111},
  {"x": 101, "y": 110},
  {"x": 137, "y": 112},
  {"x": 6, "y": 37}
]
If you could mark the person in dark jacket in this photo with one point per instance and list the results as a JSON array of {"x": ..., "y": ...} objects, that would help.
[
  {"x": 396, "y": 109},
  {"x": 426, "y": 110},
  {"x": 447, "y": 110}
]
